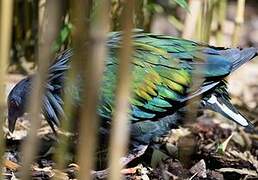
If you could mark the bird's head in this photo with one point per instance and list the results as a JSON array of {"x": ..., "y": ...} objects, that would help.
[
  {"x": 15, "y": 110},
  {"x": 17, "y": 100}
]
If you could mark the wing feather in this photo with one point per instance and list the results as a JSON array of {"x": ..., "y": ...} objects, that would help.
[{"x": 162, "y": 73}]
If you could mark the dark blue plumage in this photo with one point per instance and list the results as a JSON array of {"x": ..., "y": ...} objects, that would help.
[
  {"x": 52, "y": 101},
  {"x": 163, "y": 71}
]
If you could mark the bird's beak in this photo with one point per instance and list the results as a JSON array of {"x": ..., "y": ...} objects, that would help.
[
  {"x": 11, "y": 124},
  {"x": 224, "y": 107}
]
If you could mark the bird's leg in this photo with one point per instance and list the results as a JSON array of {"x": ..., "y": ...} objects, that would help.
[{"x": 135, "y": 153}]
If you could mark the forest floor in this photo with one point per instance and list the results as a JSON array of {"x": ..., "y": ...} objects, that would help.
[{"x": 209, "y": 148}]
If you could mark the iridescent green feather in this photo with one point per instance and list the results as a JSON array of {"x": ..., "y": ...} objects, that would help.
[{"x": 162, "y": 72}]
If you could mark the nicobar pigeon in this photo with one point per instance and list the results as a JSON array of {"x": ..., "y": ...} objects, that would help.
[{"x": 163, "y": 68}]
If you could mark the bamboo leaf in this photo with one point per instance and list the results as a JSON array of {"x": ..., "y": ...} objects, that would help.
[
  {"x": 62, "y": 37},
  {"x": 182, "y": 3}
]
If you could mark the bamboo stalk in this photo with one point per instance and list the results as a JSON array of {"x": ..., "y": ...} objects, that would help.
[
  {"x": 116, "y": 9},
  {"x": 139, "y": 14},
  {"x": 80, "y": 14},
  {"x": 65, "y": 121},
  {"x": 176, "y": 22},
  {"x": 47, "y": 35},
  {"x": 119, "y": 130},
  {"x": 206, "y": 19},
  {"x": 238, "y": 22},
  {"x": 191, "y": 19},
  {"x": 95, "y": 51},
  {"x": 186, "y": 148},
  {"x": 42, "y": 8},
  {"x": 221, "y": 16},
  {"x": 6, "y": 15}
]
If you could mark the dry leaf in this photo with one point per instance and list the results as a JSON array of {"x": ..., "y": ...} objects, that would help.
[
  {"x": 11, "y": 165},
  {"x": 60, "y": 175},
  {"x": 246, "y": 156},
  {"x": 176, "y": 134},
  {"x": 239, "y": 171},
  {"x": 200, "y": 169}
]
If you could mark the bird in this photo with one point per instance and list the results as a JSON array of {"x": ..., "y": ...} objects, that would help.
[{"x": 163, "y": 71}]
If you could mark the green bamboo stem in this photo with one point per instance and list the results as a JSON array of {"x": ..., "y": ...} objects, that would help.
[
  {"x": 238, "y": 22},
  {"x": 176, "y": 22},
  {"x": 206, "y": 20}
]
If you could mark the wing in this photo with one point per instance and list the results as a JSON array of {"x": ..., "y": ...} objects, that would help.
[
  {"x": 52, "y": 100},
  {"x": 163, "y": 68}
]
